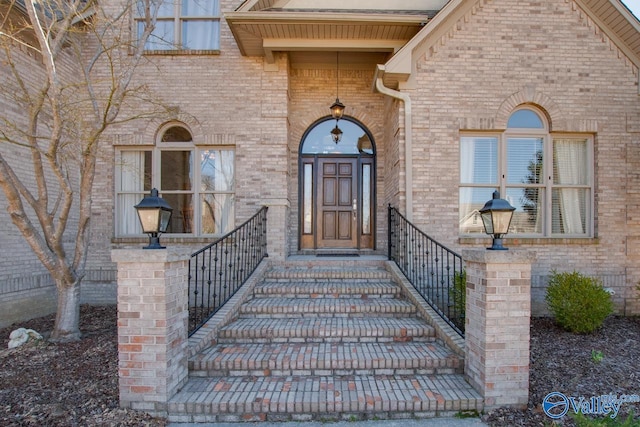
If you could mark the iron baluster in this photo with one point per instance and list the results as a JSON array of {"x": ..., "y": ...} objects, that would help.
[
  {"x": 430, "y": 267},
  {"x": 223, "y": 267}
]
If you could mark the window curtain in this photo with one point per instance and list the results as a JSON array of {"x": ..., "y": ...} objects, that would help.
[
  {"x": 217, "y": 184},
  {"x": 200, "y": 26},
  {"x": 224, "y": 182},
  {"x": 132, "y": 168},
  {"x": 162, "y": 37},
  {"x": 570, "y": 168}
]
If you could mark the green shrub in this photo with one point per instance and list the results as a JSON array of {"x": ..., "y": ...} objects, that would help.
[
  {"x": 579, "y": 303},
  {"x": 584, "y": 421},
  {"x": 458, "y": 296}
]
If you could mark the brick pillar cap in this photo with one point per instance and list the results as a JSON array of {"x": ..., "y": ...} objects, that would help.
[
  {"x": 498, "y": 257},
  {"x": 169, "y": 254}
]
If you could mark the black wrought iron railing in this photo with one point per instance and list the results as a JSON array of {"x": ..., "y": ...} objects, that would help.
[
  {"x": 436, "y": 272},
  {"x": 218, "y": 270}
]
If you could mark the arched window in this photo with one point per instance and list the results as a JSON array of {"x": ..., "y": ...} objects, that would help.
[
  {"x": 197, "y": 181},
  {"x": 525, "y": 119},
  {"x": 548, "y": 178},
  {"x": 355, "y": 139}
]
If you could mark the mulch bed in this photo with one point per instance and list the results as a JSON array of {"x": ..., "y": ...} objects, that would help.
[
  {"x": 567, "y": 363},
  {"x": 76, "y": 384},
  {"x": 70, "y": 384}
]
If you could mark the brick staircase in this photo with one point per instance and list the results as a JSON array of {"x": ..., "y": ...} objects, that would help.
[{"x": 320, "y": 342}]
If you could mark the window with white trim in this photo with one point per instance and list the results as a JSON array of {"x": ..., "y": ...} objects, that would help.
[
  {"x": 197, "y": 181},
  {"x": 182, "y": 24},
  {"x": 547, "y": 177}
]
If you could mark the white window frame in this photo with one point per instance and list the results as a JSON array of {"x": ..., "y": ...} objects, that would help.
[
  {"x": 178, "y": 24},
  {"x": 195, "y": 192},
  {"x": 547, "y": 185}
]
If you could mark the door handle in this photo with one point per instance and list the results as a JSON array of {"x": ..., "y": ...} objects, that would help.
[{"x": 355, "y": 208}]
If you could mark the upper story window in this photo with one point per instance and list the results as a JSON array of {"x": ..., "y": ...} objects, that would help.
[
  {"x": 182, "y": 25},
  {"x": 197, "y": 181},
  {"x": 548, "y": 178}
]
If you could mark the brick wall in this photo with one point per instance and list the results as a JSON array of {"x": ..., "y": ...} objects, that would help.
[
  {"x": 226, "y": 100},
  {"x": 507, "y": 52}
]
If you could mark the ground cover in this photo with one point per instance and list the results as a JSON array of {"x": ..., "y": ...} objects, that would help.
[{"x": 76, "y": 384}]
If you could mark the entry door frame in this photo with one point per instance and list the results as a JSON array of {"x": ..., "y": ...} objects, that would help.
[{"x": 309, "y": 164}]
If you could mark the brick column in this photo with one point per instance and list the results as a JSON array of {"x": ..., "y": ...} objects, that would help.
[
  {"x": 278, "y": 232},
  {"x": 152, "y": 325},
  {"x": 498, "y": 312}
]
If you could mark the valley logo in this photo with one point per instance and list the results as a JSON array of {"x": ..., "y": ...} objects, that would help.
[{"x": 556, "y": 405}]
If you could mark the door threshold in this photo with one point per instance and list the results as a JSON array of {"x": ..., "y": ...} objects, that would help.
[
  {"x": 337, "y": 254},
  {"x": 327, "y": 252}
]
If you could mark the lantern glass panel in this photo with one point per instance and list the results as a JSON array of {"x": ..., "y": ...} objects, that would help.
[
  {"x": 487, "y": 220},
  {"x": 501, "y": 221},
  {"x": 165, "y": 216},
  {"x": 149, "y": 219}
]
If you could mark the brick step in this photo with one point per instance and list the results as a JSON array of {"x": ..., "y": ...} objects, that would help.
[
  {"x": 326, "y": 307},
  {"x": 295, "y": 398},
  {"x": 328, "y": 288},
  {"x": 325, "y": 359},
  {"x": 327, "y": 272},
  {"x": 326, "y": 329}
]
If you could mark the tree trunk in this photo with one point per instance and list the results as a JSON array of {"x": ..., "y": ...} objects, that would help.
[{"x": 67, "y": 325}]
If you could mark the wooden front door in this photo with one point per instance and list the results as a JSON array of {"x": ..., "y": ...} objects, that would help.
[{"x": 337, "y": 205}]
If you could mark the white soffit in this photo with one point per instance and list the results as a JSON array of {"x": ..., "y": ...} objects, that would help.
[
  {"x": 262, "y": 27},
  {"x": 361, "y": 4}
]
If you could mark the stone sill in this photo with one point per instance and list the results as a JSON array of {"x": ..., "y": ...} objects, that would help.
[
  {"x": 532, "y": 241},
  {"x": 181, "y": 52},
  {"x": 164, "y": 240}
]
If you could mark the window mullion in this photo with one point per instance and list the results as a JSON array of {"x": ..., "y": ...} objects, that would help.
[
  {"x": 547, "y": 165},
  {"x": 591, "y": 183},
  {"x": 197, "y": 181},
  {"x": 177, "y": 26},
  {"x": 502, "y": 169},
  {"x": 156, "y": 169}
]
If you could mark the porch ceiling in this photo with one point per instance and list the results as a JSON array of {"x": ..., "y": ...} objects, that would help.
[{"x": 260, "y": 33}]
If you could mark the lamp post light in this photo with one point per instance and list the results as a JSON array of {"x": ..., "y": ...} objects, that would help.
[
  {"x": 496, "y": 217},
  {"x": 154, "y": 214}
]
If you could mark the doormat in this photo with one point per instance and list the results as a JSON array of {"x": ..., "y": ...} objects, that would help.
[{"x": 337, "y": 255}]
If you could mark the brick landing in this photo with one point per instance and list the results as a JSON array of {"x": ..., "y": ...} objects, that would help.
[{"x": 324, "y": 340}]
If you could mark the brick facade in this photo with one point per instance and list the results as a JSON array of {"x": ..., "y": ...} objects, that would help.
[
  {"x": 497, "y": 57},
  {"x": 469, "y": 78}
]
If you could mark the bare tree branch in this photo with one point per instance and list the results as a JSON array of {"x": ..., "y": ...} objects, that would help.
[{"x": 69, "y": 100}]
